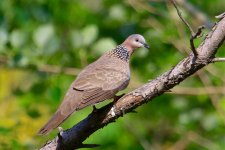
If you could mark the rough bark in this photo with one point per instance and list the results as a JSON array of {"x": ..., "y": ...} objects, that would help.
[{"x": 74, "y": 137}]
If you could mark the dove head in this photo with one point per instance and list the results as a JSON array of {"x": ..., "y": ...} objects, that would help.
[{"x": 135, "y": 41}]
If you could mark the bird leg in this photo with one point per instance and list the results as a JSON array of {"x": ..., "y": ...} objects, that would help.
[
  {"x": 116, "y": 98},
  {"x": 60, "y": 133},
  {"x": 94, "y": 108},
  {"x": 61, "y": 130},
  {"x": 112, "y": 112}
]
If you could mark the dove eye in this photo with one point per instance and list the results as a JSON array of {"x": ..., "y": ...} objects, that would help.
[{"x": 136, "y": 40}]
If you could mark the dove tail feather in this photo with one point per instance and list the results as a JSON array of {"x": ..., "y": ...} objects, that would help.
[{"x": 53, "y": 123}]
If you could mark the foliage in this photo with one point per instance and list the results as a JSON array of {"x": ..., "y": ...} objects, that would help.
[{"x": 40, "y": 41}]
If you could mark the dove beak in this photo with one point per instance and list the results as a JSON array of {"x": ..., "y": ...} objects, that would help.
[{"x": 146, "y": 45}]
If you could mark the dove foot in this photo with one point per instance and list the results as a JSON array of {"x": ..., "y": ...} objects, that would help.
[
  {"x": 112, "y": 112},
  {"x": 61, "y": 130},
  {"x": 94, "y": 109},
  {"x": 116, "y": 98}
]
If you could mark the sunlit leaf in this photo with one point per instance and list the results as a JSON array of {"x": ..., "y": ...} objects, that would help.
[
  {"x": 17, "y": 38},
  {"x": 43, "y": 34},
  {"x": 103, "y": 45},
  {"x": 89, "y": 34}
]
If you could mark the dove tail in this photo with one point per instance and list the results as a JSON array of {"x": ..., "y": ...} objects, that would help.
[{"x": 53, "y": 123}]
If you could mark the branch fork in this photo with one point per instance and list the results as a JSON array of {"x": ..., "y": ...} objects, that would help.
[{"x": 194, "y": 35}]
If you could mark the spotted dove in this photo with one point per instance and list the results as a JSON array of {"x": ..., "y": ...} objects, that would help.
[{"x": 98, "y": 81}]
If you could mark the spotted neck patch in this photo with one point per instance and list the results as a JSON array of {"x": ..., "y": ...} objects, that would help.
[{"x": 120, "y": 52}]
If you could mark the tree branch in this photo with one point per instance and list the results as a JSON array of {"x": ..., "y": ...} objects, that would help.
[
  {"x": 73, "y": 138},
  {"x": 218, "y": 60}
]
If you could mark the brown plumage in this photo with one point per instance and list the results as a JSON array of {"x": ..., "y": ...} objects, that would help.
[{"x": 98, "y": 81}]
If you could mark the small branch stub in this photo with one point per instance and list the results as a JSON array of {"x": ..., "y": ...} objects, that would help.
[
  {"x": 221, "y": 16},
  {"x": 218, "y": 60},
  {"x": 194, "y": 36}
]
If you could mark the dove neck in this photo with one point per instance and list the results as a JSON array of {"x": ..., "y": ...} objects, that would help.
[{"x": 121, "y": 52}]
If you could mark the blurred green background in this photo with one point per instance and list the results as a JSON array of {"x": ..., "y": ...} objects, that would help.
[{"x": 44, "y": 44}]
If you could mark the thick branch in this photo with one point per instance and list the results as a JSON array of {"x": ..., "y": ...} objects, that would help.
[{"x": 74, "y": 137}]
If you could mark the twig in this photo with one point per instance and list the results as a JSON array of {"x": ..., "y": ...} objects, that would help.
[
  {"x": 214, "y": 98},
  {"x": 131, "y": 128},
  {"x": 140, "y": 6},
  {"x": 200, "y": 16},
  {"x": 194, "y": 35},
  {"x": 57, "y": 69},
  {"x": 218, "y": 60},
  {"x": 181, "y": 17},
  {"x": 221, "y": 16},
  {"x": 204, "y": 142},
  {"x": 181, "y": 144},
  {"x": 207, "y": 90},
  {"x": 216, "y": 72},
  {"x": 45, "y": 68},
  {"x": 191, "y": 136}
]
